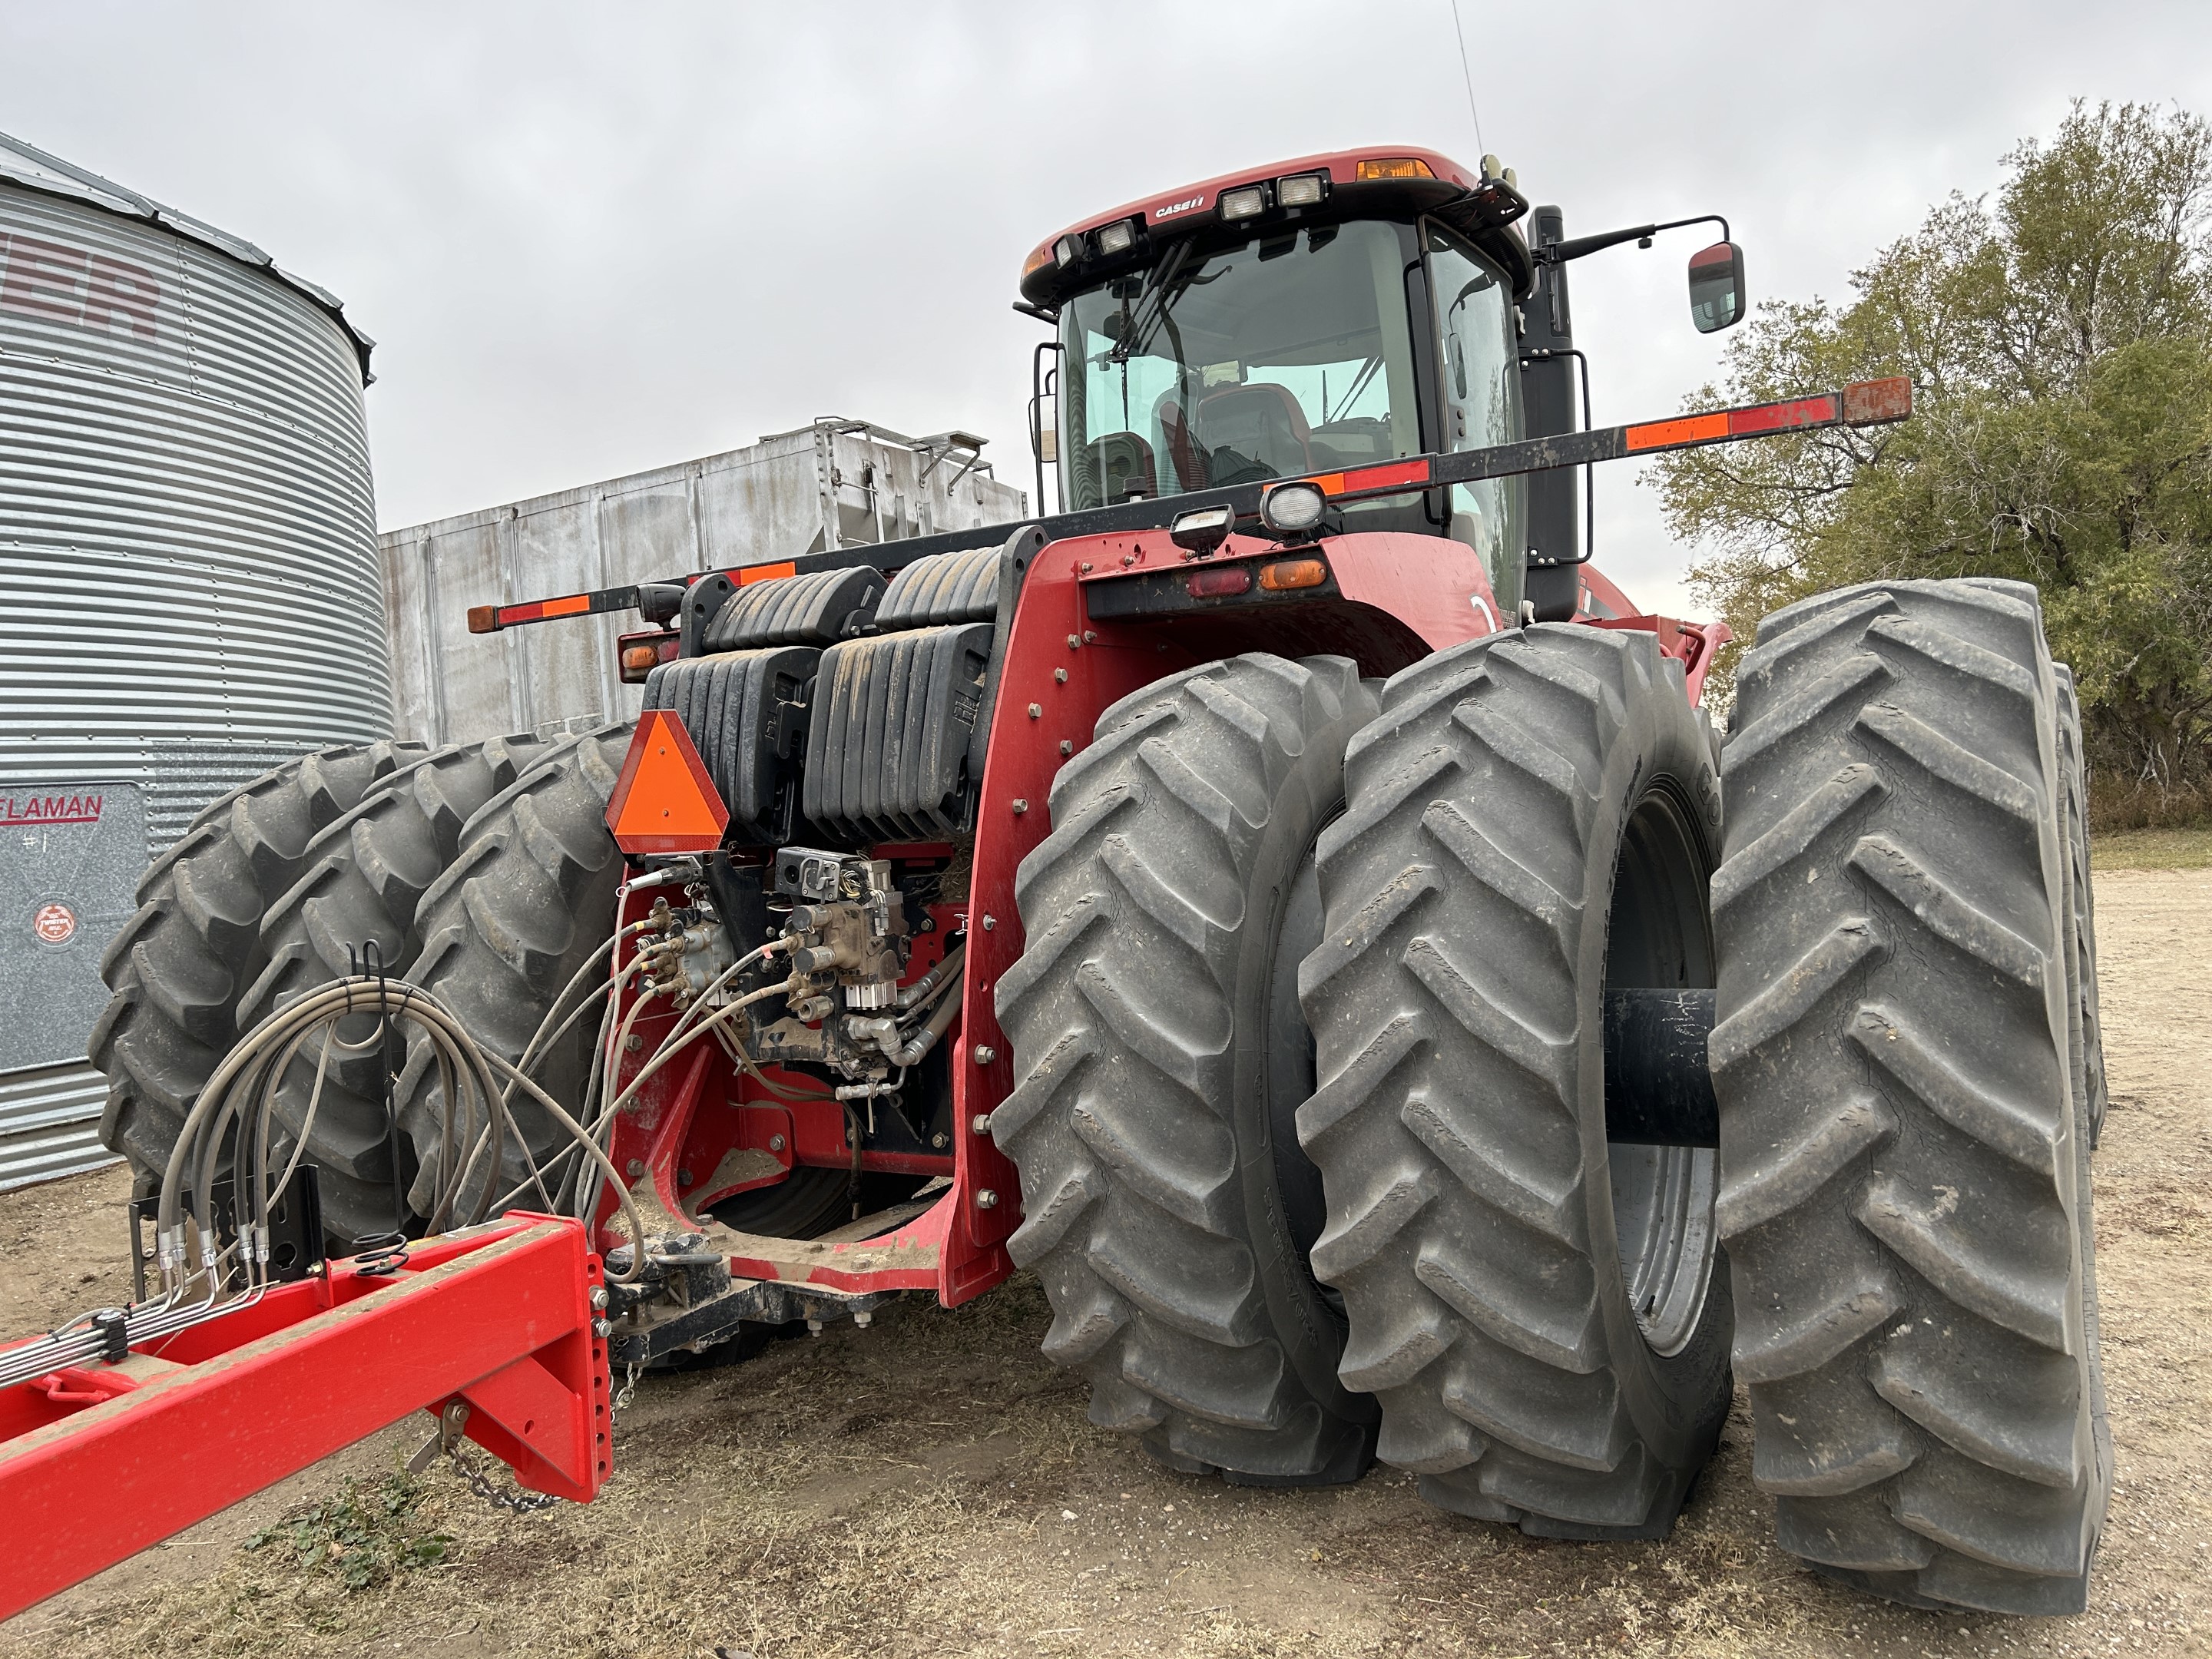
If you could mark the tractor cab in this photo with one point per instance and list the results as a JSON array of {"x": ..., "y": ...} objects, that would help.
[
  {"x": 1340, "y": 312},
  {"x": 1334, "y": 313}
]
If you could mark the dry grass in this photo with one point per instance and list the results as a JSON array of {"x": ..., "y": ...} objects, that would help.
[
  {"x": 932, "y": 1485},
  {"x": 2153, "y": 849}
]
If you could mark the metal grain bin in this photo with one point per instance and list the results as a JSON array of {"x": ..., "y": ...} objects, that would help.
[
  {"x": 834, "y": 483},
  {"x": 188, "y": 583}
]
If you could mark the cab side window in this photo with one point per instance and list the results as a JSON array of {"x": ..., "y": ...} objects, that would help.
[{"x": 1480, "y": 375}]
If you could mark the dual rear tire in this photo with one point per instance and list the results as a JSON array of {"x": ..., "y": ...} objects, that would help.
[{"x": 1893, "y": 1241}]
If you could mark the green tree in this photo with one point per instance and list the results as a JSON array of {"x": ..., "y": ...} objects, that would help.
[{"x": 2060, "y": 340}]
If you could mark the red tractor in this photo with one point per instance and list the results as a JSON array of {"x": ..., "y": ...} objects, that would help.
[{"x": 1288, "y": 901}]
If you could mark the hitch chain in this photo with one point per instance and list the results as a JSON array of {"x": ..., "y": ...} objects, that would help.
[{"x": 447, "y": 1440}]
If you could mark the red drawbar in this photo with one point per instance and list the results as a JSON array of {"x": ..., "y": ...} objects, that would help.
[{"x": 101, "y": 1461}]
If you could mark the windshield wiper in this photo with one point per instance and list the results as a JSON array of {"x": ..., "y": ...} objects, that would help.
[{"x": 1137, "y": 331}]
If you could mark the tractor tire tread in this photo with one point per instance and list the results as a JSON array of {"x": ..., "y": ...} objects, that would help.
[
  {"x": 1120, "y": 1014},
  {"x": 1904, "y": 1186}
]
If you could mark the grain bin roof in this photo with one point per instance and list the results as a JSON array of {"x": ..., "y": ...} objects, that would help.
[{"x": 28, "y": 167}]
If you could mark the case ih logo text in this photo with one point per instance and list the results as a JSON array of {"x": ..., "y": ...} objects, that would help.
[
  {"x": 49, "y": 809},
  {"x": 1183, "y": 206},
  {"x": 72, "y": 285}
]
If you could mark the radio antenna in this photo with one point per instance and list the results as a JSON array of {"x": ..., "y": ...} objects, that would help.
[{"x": 1468, "y": 75}]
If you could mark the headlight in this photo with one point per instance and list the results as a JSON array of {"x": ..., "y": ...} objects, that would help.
[
  {"x": 1117, "y": 238},
  {"x": 1246, "y": 202},
  {"x": 1291, "y": 508},
  {"x": 1301, "y": 189}
]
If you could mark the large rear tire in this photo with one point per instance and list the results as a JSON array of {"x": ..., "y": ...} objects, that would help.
[
  {"x": 504, "y": 931},
  {"x": 2081, "y": 962},
  {"x": 181, "y": 962},
  {"x": 355, "y": 902},
  {"x": 1162, "y": 1057},
  {"x": 1542, "y": 1315},
  {"x": 1904, "y": 1133}
]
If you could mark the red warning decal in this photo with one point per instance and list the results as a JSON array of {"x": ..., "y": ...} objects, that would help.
[{"x": 664, "y": 802}]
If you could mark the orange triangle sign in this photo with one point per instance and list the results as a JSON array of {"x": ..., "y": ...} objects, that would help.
[{"x": 664, "y": 802}]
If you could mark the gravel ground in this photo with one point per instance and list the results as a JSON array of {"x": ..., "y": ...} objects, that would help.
[{"x": 931, "y": 1485}]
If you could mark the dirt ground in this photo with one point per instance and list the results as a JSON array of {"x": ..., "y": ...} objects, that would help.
[{"x": 931, "y": 1485}]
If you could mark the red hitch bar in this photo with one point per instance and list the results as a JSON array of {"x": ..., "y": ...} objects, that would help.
[{"x": 100, "y": 1462}]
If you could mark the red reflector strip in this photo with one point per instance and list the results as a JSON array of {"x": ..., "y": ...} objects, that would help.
[
  {"x": 765, "y": 573},
  {"x": 1781, "y": 417},
  {"x": 1388, "y": 476}
]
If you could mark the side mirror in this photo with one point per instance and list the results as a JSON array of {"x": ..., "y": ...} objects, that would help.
[
  {"x": 1716, "y": 287},
  {"x": 1045, "y": 437}
]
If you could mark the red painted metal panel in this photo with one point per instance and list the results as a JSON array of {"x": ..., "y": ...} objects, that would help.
[
  {"x": 312, "y": 1368},
  {"x": 1195, "y": 201}
]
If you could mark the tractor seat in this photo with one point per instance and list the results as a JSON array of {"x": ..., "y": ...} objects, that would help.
[
  {"x": 1123, "y": 459},
  {"x": 1262, "y": 423}
]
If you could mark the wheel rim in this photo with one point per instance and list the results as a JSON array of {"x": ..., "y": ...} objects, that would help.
[{"x": 1659, "y": 935}]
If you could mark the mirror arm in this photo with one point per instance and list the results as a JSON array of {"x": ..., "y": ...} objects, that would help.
[
  {"x": 1577, "y": 247},
  {"x": 1042, "y": 314}
]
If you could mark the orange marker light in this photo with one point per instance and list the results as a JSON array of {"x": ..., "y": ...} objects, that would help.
[
  {"x": 1288, "y": 574},
  {"x": 665, "y": 802},
  {"x": 1396, "y": 166}
]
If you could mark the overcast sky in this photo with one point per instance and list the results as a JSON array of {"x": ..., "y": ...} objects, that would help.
[{"x": 591, "y": 241}]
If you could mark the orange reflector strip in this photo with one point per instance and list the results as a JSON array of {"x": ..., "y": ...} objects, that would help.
[
  {"x": 1731, "y": 423},
  {"x": 1389, "y": 475},
  {"x": 1395, "y": 166},
  {"x": 1292, "y": 572},
  {"x": 1658, "y": 435},
  {"x": 765, "y": 573},
  {"x": 665, "y": 802}
]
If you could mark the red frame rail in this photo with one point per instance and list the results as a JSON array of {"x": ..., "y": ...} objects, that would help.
[{"x": 105, "y": 1461}]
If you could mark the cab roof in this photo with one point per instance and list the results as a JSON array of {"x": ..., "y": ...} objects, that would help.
[{"x": 1374, "y": 181}]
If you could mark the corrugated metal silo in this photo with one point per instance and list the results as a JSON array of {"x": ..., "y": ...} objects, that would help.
[{"x": 188, "y": 582}]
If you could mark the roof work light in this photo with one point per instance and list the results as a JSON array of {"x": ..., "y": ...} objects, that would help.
[{"x": 1245, "y": 202}]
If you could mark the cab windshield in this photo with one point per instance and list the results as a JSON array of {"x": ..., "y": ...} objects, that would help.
[{"x": 1288, "y": 353}]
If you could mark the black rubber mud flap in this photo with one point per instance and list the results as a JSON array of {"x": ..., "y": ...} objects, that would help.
[
  {"x": 1542, "y": 1314},
  {"x": 1904, "y": 1098},
  {"x": 1161, "y": 1058}
]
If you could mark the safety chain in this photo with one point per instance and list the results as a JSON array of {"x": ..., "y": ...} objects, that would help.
[
  {"x": 628, "y": 1392},
  {"x": 517, "y": 1502},
  {"x": 451, "y": 1422}
]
